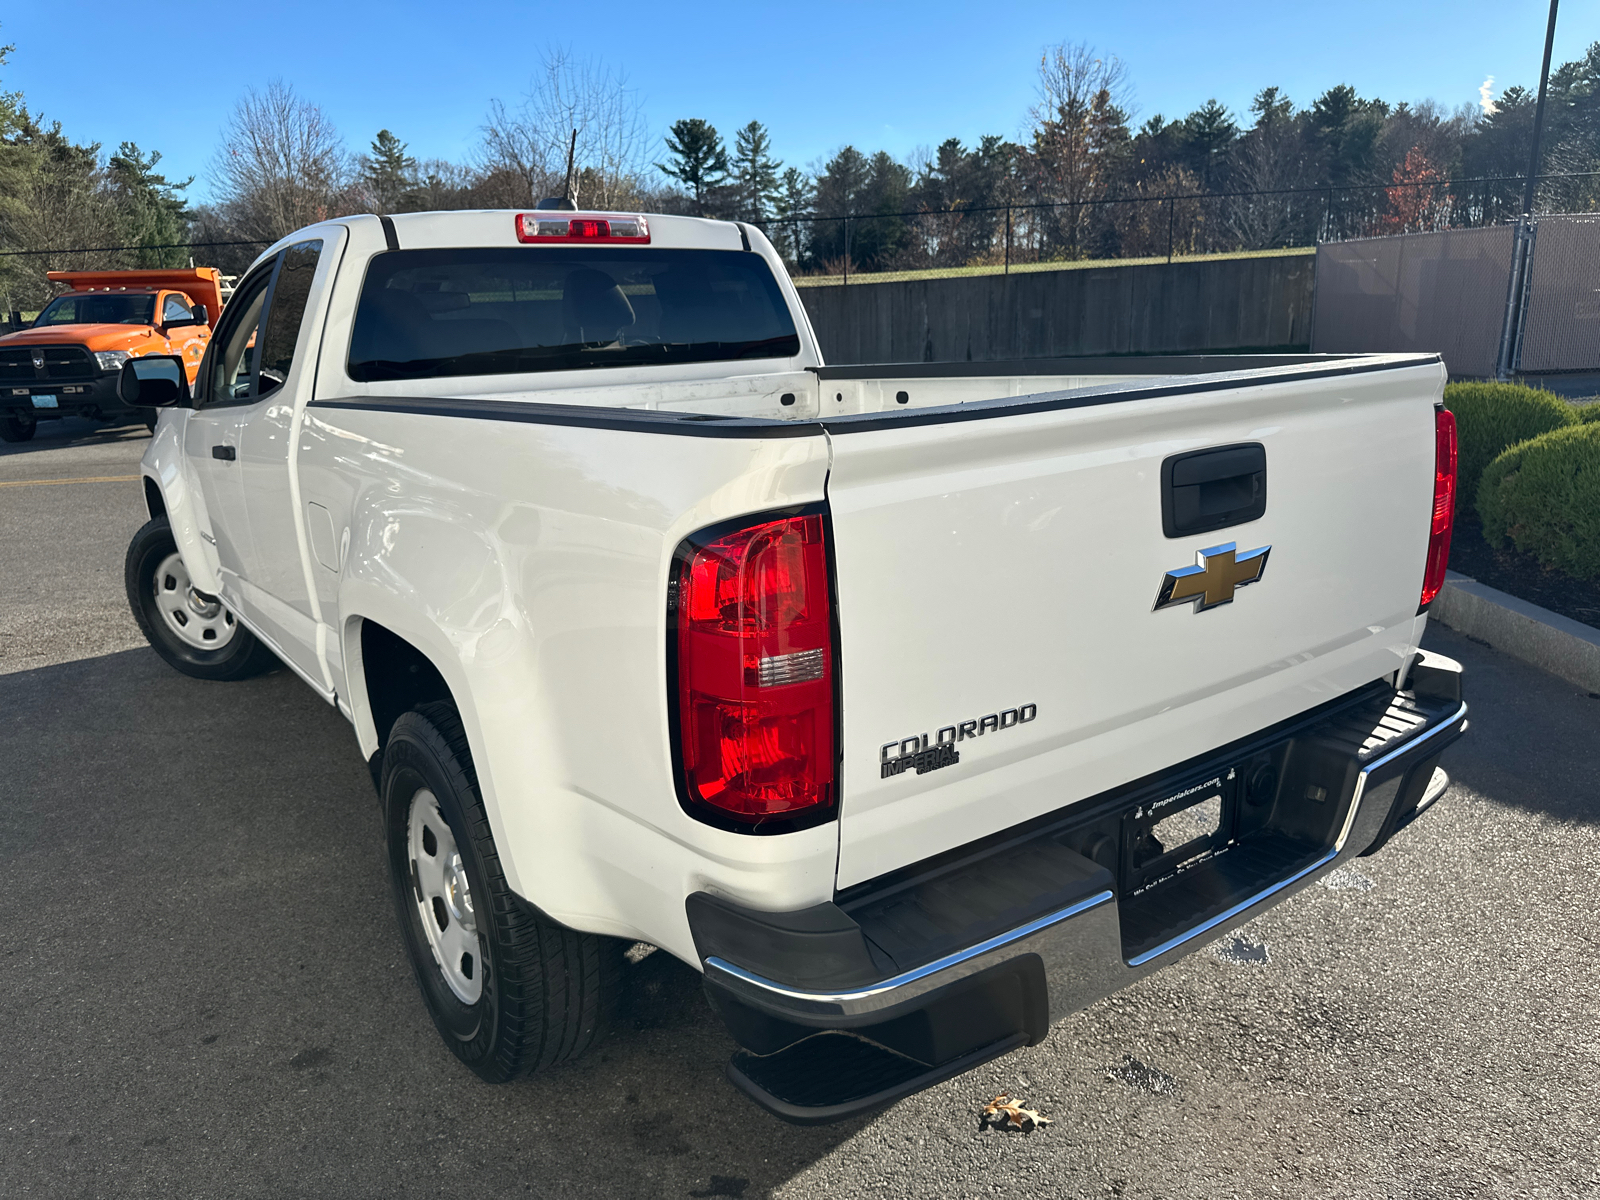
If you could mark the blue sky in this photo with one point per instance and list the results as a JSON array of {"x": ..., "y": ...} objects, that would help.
[{"x": 888, "y": 75}]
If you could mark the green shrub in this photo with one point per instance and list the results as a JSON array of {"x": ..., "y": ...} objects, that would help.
[
  {"x": 1588, "y": 412},
  {"x": 1492, "y": 416},
  {"x": 1543, "y": 495}
]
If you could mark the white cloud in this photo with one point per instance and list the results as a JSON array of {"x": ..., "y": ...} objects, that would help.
[{"x": 1486, "y": 97}]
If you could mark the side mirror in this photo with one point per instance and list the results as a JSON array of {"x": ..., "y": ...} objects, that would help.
[
  {"x": 16, "y": 321},
  {"x": 154, "y": 381},
  {"x": 189, "y": 322},
  {"x": 201, "y": 316}
]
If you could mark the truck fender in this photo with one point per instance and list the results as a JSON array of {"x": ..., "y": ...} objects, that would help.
[
  {"x": 165, "y": 466},
  {"x": 361, "y": 600},
  {"x": 411, "y": 570}
]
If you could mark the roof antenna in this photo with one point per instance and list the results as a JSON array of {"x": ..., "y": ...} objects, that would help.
[{"x": 566, "y": 202}]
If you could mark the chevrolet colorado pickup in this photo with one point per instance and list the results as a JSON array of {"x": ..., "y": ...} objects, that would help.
[
  {"x": 914, "y": 706},
  {"x": 69, "y": 360}
]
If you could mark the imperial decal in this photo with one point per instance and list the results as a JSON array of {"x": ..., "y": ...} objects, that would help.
[
  {"x": 921, "y": 755},
  {"x": 1220, "y": 570}
]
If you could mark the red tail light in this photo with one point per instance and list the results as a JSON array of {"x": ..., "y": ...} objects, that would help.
[
  {"x": 1444, "y": 504},
  {"x": 563, "y": 227},
  {"x": 754, "y": 641}
]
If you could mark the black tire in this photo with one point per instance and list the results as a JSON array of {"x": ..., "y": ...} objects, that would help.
[
  {"x": 243, "y": 655},
  {"x": 17, "y": 429},
  {"x": 548, "y": 992}
]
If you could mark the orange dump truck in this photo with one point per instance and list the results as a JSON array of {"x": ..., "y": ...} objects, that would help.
[{"x": 67, "y": 362}]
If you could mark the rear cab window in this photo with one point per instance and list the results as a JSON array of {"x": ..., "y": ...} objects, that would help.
[{"x": 441, "y": 313}]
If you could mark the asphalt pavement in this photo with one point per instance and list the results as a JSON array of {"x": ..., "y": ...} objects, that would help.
[{"x": 205, "y": 994}]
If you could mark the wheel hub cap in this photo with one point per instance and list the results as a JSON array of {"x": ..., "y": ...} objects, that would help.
[
  {"x": 444, "y": 899},
  {"x": 194, "y": 617},
  {"x": 458, "y": 895}
]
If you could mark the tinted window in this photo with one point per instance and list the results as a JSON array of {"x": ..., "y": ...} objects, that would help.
[
  {"x": 232, "y": 352},
  {"x": 113, "y": 309},
  {"x": 286, "y": 310},
  {"x": 247, "y": 360},
  {"x": 174, "y": 309},
  {"x": 436, "y": 313}
]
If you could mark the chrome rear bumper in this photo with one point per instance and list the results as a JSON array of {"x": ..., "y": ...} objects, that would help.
[{"x": 956, "y": 961}]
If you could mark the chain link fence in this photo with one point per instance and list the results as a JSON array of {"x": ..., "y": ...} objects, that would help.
[
  {"x": 1448, "y": 292},
  {"x": 826, "y": 251},
  {"x": 1560, "y": 328},
  {"x": 1442, "y": 292}
]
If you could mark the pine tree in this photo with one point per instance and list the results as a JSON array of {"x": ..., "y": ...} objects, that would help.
[
  {"x": 1208, "y": 134},
  {"x": 1270, "y": 107},
  {"x": 152, "y": 212},
  {"x": 792, "y": 205},
  {"x": 840, "y": 193},
  {"x": 389, "y": 172},
  {"x": 700, "y": 161},
  {"x": 755, "y": 172}
]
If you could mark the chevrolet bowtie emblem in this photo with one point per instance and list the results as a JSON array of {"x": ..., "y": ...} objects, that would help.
[{"x": 1221, "y": 569}]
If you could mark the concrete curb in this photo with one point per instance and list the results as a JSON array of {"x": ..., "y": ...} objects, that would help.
[{"x": 1536, "y": 635}]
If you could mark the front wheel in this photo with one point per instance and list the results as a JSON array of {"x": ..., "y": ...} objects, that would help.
[
  {"x": 17, "y": 429},
  {"x": 192, "y": 630},
  {"x": 509, "y": 990}
]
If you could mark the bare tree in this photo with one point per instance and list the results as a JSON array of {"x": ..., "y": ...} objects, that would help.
[
  {"x": 282, "y": 164},
  {"x": 1080, "y": 133},
  {"x": 1269, "y": 162},
  {"x": 531, "y": 141},
  {"x": 1149, "y": 228},
  {"x": 441, "y": 184}
]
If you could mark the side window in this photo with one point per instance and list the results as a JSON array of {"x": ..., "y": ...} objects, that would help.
[
  {"x": 232, "y": 350},
  {"x": 174, "y": 311},
  {"x": 255, "y": 342},
  {"x": 285, "y": 313}
]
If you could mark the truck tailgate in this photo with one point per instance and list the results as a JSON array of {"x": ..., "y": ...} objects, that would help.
[{"x": 998, "y": 566}]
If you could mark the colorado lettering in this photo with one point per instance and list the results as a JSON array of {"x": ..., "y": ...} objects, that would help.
[{"x": 922, "y": 753}]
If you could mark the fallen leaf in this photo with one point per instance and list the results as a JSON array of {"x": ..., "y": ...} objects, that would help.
[{"x": 1019, "y": 1117}]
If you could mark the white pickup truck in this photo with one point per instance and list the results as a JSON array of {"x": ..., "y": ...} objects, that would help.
[{"x": 915, "y": 706}]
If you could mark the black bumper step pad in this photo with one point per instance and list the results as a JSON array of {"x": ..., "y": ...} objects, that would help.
[
  {"x": 960, "y": 905},
  {"x": 1211, "y": 888},
  {"x": 833, "y": 1075}
]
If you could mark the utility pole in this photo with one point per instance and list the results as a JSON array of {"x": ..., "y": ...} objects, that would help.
[{"x": 1522, "y": 245}]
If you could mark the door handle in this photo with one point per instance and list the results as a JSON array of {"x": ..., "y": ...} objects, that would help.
[
  {"x": 226, "y": 453},
  {"x": 1212, "y": 489}
]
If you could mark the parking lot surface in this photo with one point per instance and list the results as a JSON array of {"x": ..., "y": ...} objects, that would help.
[{"x": 205, "y": 993}]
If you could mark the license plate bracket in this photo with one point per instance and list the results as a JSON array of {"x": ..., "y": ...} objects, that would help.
[{"x": 1182, "y": 828}]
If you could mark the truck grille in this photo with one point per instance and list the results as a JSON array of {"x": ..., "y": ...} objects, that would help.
[{"x": 61, "y": 363}]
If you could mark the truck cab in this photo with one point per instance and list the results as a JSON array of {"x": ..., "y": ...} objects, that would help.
[{"x": 67, "y": 362}]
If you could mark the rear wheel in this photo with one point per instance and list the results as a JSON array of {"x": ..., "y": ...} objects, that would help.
[
  {"x": 509, "y": 990},
  {"x": 192, "y": 630},
  {"x": 17, "y": 429}
]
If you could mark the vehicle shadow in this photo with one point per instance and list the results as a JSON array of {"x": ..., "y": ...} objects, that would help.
[
  {"x": 1530, "y": 743},
  {"x": 207, "y": 993},
  {"x": 74, "y": 431}
]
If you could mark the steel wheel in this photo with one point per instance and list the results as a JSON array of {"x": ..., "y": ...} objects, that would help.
[
  {"x": 195, "y": 618},
  {"x": 444, "y": 898}
]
